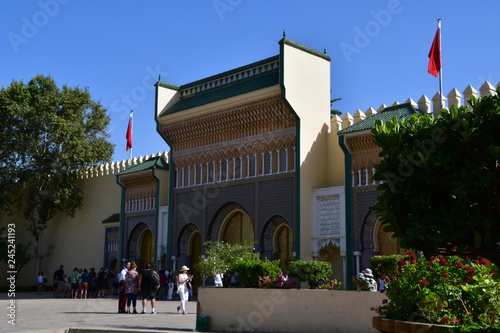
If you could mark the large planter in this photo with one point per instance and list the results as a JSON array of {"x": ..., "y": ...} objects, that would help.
[
  {"x": 385, "y": 325},
  {"x": 288, "y": 310}
]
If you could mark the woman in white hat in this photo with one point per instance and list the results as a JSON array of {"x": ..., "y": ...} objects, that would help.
[{"x": 182, "y": 289}]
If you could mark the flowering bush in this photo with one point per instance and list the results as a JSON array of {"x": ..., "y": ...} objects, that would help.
[
  {"x": 444, "y": 290},
  {"x": 332, "y": 284},
  {"x": 281, "y": 281}
]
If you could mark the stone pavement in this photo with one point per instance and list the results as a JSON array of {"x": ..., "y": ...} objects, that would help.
[{"x": 45, "y": 314}]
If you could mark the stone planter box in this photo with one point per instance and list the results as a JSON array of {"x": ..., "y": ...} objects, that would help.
[
  {"x": 384, "y": 325},
  {"x": 287, "y": 310}
]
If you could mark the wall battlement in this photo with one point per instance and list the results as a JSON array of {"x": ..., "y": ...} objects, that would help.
[
  {"x": 424, "y": 104},
  {"x": 114, "y": 168}
]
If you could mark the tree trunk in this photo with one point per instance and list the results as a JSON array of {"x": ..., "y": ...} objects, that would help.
[{"x": 38, "y": 249}]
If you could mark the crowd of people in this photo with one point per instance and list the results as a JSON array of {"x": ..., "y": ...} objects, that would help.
[{"x": 128, "y": 283}]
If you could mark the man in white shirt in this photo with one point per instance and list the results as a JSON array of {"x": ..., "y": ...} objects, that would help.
[
  {"x": 218, "y": 279},
  {"x": 122, "y": 301}
]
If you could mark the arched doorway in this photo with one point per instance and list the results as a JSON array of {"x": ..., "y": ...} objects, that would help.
[
  {"x": 384, "y": 243},
  {"x": 195, "y": 253},
  {"x": 283, "y": 245},
  {"x": 145, "y": 247},
  {"x": 237, "y": 228}
]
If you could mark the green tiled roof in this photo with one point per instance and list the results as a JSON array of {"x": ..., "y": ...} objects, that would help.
[
  {"x": 152, "y": 163},
  {"x": 241, "y": 80},
  {"x": 401, "y": 111},
  {"x": 305, "y": 48},
  {"x": 113, "y": 218}
]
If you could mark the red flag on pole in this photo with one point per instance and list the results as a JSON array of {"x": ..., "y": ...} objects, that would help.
[
  {"x": 129, "y": 133},
  {"x": 435, "y": 56}
]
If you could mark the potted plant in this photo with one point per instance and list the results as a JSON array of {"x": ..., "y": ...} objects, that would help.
[{"x": 450, "y": 291}]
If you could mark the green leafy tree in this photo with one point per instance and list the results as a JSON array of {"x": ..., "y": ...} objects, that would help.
[
  {"x": 50, "y": 137},
  {"x": 441, "y": 180},
  {"x": 221, "y": 257}
]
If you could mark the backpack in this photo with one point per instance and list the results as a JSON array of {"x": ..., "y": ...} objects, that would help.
[{"x": 155, "y": 280}]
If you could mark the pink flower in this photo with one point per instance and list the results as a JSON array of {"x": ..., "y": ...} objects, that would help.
[
  {"x": 468, "y": 279},
  {"x": 458, "y": 264},
  {"x": 446, "y": 275},
  {"x": 442, "y": 261},
  {"x": 385, "y": 301},
  {"x": 423, "y": 282}
]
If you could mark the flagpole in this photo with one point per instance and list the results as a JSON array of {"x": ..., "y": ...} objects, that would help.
[
  {"x": 441, "y": 69},
  {"x": 132, "y": 132}
]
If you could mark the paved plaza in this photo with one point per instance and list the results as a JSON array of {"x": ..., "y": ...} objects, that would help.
[{"x": 45, "y": 314}]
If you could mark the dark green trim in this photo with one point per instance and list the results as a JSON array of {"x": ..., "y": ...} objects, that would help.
[
  {"x": 170, "y": 226},
  {"x": 157, "y": 211},
  {"x": 348, "y": 211},
  {"x": 304, "y": 48},
  {"x": 229, "y": 72},
  {"x": 297, "y": 155},
  {"x": 121, "y": 230},
  {"x": 167, "y": 85}
]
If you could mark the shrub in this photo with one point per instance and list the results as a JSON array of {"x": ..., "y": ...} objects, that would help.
[
  {"x": 444, "y": 290},
  {"x": 383, "y": 266},
  {"x": 310, "y": 271},
  {"x": 250, "y": 269}
]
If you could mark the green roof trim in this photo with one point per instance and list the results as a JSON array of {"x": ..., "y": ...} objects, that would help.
[
  {"x": 401, "y": 111},
  {"x": 304, "y": 48},
  {"x": 167, "y": 85},
  {"x": 229, "y": 90},
  {"x": 230, "y": 72},
  {"x": 149, "y": 164},
  {"x": 112, "y": 219}
]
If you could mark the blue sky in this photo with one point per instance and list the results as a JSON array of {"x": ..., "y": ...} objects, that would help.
[{"x": 117, "y": 48}]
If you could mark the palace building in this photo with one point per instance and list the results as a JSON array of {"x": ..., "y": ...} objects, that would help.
[{"x": 254, "y": 156}]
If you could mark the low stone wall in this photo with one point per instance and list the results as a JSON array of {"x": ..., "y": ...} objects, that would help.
[{"x": 287, "y": 310}]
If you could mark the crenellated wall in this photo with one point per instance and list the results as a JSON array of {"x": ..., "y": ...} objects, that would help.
[
  {"x": 424, "y": 104},
  {"x": 117, "y": 167}
]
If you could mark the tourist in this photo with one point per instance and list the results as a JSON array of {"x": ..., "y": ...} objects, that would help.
[
  {"x": 122, "y": 298},
  {"x": 218, "y": 279},
  {"x": 85, "y": 283},
  {"x": 131, "y": 286},
  {"x": 74, "y": 277},
  {"x": 147, "y": 287},
  {"x": 102, "y": 282},
  {"x": 171, "y": 284},
  {"x": 182, "y": 289},
  {"x": 59, "y": 277},
  {"x": 41, "y": 280}
]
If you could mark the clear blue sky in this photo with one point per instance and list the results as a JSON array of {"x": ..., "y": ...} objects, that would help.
[{"x": 117, "y": 48}]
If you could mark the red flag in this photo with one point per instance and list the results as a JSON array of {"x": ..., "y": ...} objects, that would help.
[
  {"x": 435, "y": 56},
  {"x": 129, "y": 133}
]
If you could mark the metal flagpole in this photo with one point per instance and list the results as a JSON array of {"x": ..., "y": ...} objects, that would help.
[
  {"x": 132, "y": 123},
  {"x": 441, "y": 69}
]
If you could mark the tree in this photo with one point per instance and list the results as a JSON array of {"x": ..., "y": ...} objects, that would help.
[
  {"x": 441, "y": 180},
  {"x": 50, "y": 137},
  {"x": 221, "y": 257}
]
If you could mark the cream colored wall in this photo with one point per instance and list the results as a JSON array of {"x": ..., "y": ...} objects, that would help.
[
  {"x": 335, "y": 155},
  {"x": 79, "y": 241},
  {"x": 306, "y": 79},
  {"x": 165, "y": 97},
  {"x": 288, "y": 310}
]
